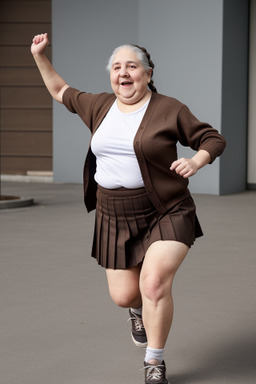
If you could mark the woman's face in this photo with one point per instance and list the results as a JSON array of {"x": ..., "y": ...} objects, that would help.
[{"x": 129, "y": 79}]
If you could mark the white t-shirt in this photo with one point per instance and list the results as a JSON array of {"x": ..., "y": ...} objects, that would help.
[{"x": 112, "y": 144}]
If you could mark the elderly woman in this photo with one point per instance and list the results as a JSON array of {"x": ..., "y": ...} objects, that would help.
[{"x": 145, "y": 216}]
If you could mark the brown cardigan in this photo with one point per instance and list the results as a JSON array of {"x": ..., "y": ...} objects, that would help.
[{"x": 166, "y": 121}]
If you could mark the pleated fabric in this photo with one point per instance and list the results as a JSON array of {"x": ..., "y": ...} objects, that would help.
[{"x": 127, "y": 223}]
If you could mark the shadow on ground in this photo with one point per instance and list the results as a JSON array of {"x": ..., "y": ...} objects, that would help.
[{"x": 231, "y": 360}]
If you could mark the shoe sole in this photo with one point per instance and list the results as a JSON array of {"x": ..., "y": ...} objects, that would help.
[{"x": 138, "y": 344}]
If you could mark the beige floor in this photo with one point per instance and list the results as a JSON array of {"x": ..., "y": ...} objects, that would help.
[{"x": 59, "y": 326}]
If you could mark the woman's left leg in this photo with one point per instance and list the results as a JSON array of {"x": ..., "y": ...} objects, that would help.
[{"x": 160, "y": 264}]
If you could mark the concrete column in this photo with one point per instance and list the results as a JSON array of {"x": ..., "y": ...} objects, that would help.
[
  {"x": 233, "y": 163},
  {"x": 251, "y": 178}
]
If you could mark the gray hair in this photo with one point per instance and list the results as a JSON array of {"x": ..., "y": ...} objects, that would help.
[{"x": 139, "y": 53}]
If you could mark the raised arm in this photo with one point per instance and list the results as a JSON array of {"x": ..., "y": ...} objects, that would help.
[{"x": 53, "y": 81}]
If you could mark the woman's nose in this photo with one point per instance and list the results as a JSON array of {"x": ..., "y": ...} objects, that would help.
[{"x": 124, "y": 72}]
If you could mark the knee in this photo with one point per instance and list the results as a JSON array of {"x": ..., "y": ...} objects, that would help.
[
  {"x": 126, "y": 299},
  {"x": 153, "y": 288}
]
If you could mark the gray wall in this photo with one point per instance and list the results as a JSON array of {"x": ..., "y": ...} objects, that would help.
[
  {"x": 84, "y": 34},
  {"x": 187, "y": 49},
  {"x": 185, "y": 39}
]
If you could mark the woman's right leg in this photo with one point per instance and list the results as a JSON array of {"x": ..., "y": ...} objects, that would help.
[
  {"x": 125, "y": 292},
  {"x": 124, "y": 286}
]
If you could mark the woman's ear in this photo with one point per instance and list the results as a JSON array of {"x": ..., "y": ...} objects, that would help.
[{"x": 149, "y": 74}]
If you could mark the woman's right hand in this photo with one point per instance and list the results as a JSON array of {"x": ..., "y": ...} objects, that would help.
[{"x": 39, "y": 44}]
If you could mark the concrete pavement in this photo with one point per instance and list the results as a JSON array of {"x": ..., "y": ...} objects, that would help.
[{"x": 59, "y": 326}]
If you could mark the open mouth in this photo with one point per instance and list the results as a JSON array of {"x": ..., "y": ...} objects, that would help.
[{"x": 124, "y": 83}]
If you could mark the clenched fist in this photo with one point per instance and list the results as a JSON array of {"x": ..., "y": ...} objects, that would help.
[{"x": 39, "y": 44}]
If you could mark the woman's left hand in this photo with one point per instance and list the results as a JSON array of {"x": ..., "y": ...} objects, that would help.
[
  {"x": 184, "y": 167},
  {"x": 188, "y": 167}
]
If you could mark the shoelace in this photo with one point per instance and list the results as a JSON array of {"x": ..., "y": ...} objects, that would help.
[
  {"x": 138, "y": 324},
  {"x": 154, "y": 372}
]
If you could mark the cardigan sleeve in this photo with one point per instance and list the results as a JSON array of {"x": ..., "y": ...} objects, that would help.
[
  {"x": 91, "y": 108},
  {"x": 80, "y": 103},
  {"x": 199, "y": 135}
]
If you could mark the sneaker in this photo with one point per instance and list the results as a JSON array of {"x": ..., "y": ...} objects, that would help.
[
  {"x": 139, "y": 336},
  {"x": 155, "y": 374}
]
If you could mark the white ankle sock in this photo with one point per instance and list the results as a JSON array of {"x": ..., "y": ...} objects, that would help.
[
  {"x": 137, "y": 311},
  {"x": 156, "y": 354}
]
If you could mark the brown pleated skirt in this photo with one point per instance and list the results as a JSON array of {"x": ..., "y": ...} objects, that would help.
[{"x": 127, "y": 223}]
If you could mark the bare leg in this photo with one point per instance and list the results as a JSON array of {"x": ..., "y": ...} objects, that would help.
[
  {"x": 125, "y": 292},
  {"x": 161, "y": 262},
  {"x": 124, "y": 286}
]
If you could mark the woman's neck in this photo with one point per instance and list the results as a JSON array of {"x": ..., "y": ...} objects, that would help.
[{"x": 128, "y": 108}]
